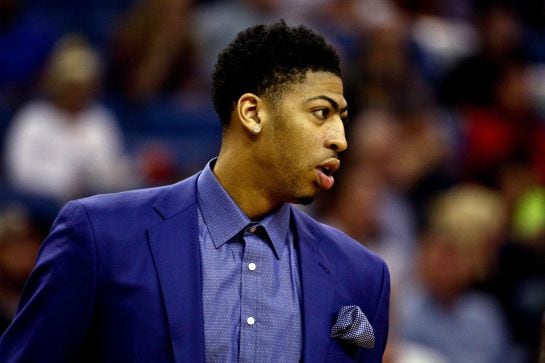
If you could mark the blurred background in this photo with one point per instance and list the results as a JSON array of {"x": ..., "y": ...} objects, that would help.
[{"x": 444, "y": 177}]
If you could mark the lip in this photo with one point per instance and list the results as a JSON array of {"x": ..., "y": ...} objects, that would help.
[
  {"x": 325, "y": 178},
  {"x": 332, "y": 164}
]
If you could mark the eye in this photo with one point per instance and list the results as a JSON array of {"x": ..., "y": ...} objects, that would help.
[{"x": 321, "y": 113}]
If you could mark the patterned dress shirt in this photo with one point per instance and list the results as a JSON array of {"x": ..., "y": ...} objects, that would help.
[{"x": 251, "y": 284}]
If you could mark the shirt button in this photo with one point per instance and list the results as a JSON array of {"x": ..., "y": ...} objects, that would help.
[
  {"x": 252, "y": 229},
  {"x": 250, "y": 320},
  {"x": 251, "y": 266}
]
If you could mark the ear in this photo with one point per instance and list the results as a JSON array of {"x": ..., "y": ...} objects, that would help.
[{"x": 248, "y": 109}]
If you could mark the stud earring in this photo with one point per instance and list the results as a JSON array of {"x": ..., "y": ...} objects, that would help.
[{"x": 256, "y": 129}]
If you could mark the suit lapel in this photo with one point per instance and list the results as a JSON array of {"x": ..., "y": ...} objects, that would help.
[
  {"x": 175, "y": 250},
  {"x": 318, "y": 284}
]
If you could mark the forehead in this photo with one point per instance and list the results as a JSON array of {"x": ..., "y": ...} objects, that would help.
[{"x": 317, "y": 84}]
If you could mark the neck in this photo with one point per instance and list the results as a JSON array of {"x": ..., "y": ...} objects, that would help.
[{"x": 238, "y": 178}]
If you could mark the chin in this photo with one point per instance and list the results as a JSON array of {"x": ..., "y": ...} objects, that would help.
[{"x": 303, "y": 194}]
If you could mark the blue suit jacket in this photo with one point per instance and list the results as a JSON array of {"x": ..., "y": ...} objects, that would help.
[{"x": 119, "y": 280}]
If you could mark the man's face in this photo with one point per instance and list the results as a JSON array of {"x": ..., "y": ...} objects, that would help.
[{"x": 302, "y": 138}]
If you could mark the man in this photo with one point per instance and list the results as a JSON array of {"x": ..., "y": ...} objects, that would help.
[{"x": 219, "y": 267}]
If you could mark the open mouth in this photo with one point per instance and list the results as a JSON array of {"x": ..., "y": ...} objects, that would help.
[
  {"x": 325, "y": 173},
  {"x": 326, "y": 170}
]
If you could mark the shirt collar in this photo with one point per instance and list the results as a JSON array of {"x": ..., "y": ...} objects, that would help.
[
  {"x": 277, "y": 225},
  {"x": 225, "y": 219}
]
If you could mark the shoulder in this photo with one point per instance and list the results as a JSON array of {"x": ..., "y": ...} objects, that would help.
[
  {"x": 35, "y": 113},
  {"x": 35, "y": 107},
  {"x": 122, "y": 201},
  {"x": 134, "y": 206}
]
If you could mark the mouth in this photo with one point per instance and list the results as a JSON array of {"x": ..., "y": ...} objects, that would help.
[{"x": 325, "y": 173}]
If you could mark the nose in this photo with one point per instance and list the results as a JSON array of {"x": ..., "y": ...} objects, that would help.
[{"x": 336, "y": 139}]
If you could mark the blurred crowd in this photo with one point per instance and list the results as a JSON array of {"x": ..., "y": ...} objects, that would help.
[{"x": 444, "y": 176}]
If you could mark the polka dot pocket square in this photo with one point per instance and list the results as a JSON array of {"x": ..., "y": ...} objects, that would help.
[{"x": 352, "y": 325}]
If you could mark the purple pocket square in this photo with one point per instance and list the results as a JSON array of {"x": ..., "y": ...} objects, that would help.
[{"x": 352, "y": 325}]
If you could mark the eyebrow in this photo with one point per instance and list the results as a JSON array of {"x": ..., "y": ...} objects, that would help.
[{"x": 330, "y": 100}]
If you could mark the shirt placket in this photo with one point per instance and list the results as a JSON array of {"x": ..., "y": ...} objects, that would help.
[{"x": 251, "y": 272}]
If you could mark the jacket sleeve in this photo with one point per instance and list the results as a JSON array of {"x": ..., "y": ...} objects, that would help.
[
  {"x": 379, "y": 322},
  {"x": 58, "y": 301}
]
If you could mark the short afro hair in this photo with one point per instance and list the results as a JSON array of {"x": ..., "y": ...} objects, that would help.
[{"x": 264, "y": 58}]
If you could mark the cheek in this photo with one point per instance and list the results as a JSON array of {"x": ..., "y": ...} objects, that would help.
[
  {"x": 296, "y": 144},
  {"x": 299, "y": 154}
]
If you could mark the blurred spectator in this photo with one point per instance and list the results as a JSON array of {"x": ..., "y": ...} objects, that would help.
[
  {"x": 506, "y": 131},
  {"x": 518, "y": 282},
  {"x": 470, "y": 82},
  {"x": 383, "y": 75},
  {"x": 518, "y": 275},
  {"x": 67, "y": 144},
  {"x": 218, "y": 22},
  {"x": 154, "y": 51},
  {"x": 345, "y": 23},
  {"x": 424, "y": 159},
  {"x": 529, "y": 216},
  {"x": 439, "y": 36},
  {"x": 425, "y": 148},
  {"x": 532, "y": 14},
  {"x": 440, "y": 311},
  {"x": 19, "y": 244}
]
